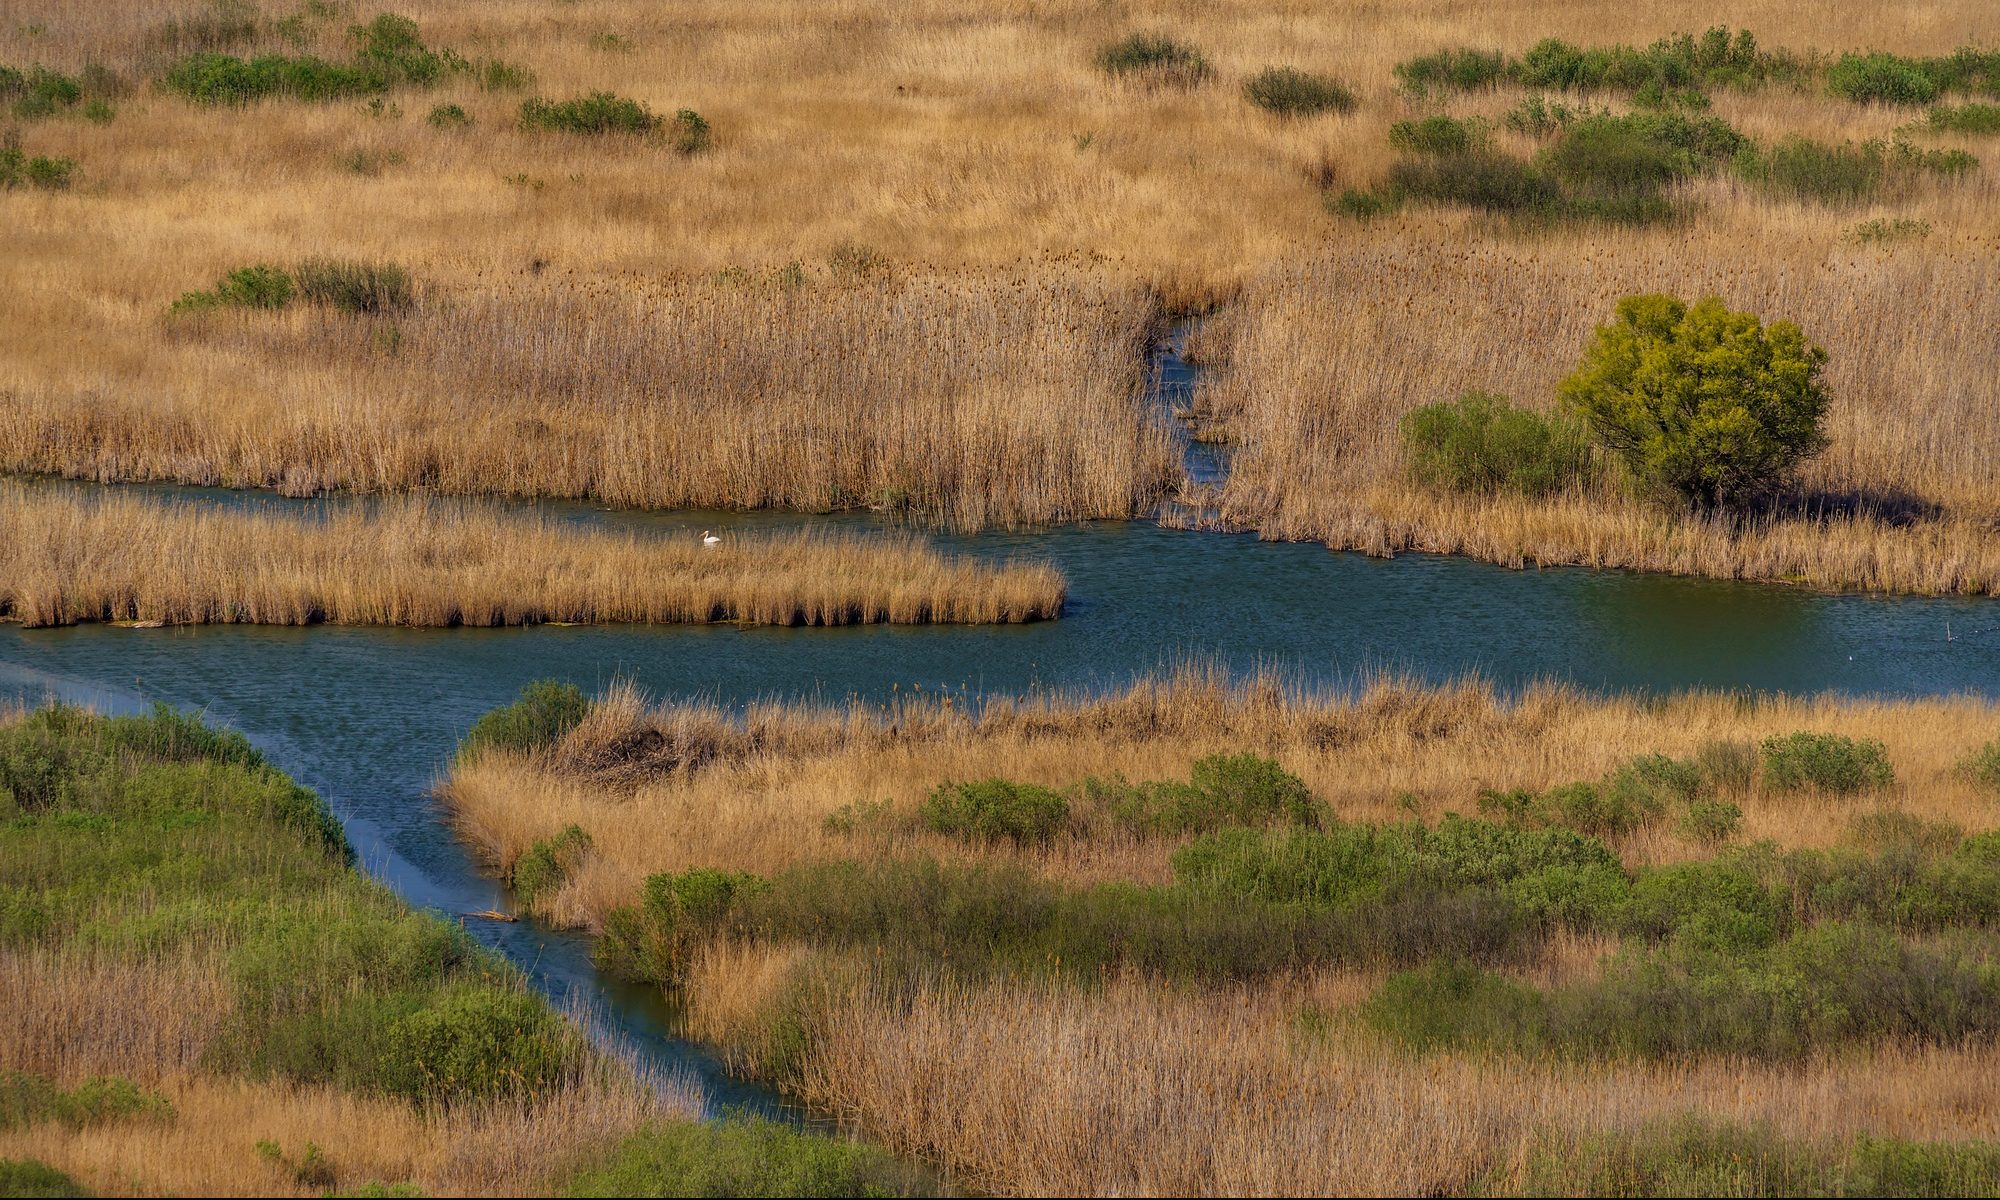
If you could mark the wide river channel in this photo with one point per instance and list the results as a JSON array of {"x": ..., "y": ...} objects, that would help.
[{"x": 370, "y": 717}]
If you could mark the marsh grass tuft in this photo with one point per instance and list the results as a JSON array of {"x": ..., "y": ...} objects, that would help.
[{"x": 1154, "y": 60}]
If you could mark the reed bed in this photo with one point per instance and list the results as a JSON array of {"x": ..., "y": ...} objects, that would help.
[
  {"x": 67, "y": 558},
  {"x": 687, "y": 784},
  {"x": 947, "y": 320},
  {"x": 1901, "y": 502}
]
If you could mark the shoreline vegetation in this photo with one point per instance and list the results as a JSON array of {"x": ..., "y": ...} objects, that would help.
[
  {"x": 1416, "y": 939},
  {"x": 206, "y": 997},
  {"x": 948, "y": 325},
  {"x": 67, "y": 558}
]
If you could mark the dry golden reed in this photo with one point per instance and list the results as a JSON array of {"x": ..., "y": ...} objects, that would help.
[{"x": 66, "y": 558}]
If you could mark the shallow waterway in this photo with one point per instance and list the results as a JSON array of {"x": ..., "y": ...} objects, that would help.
[{"x": 369, "y": 717}]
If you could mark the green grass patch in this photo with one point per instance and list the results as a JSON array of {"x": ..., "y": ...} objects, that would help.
[
  {"x": 1980, "y": 119},
  {"x": 544, "y": 715},
  {"x": 28, "y": 1099},
  {"x": 27, "y": 1177},
  {"x": 1290, "y": 92},
  {"x": 745, "y": 1157},
  {"x": 1825, "y": 762},
  {"x": 1156, "y": 60},
  {"x": 1480, "y": 444}
]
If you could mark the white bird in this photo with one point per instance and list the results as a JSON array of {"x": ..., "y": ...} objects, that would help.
[{"x": 709, "y": 539}]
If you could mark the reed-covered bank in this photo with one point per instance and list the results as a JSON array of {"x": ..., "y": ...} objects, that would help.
[
  {"x": 1162, "y": 940},
  {"x": 204, "y": 995},
  {"x": 67, "y": 557},
  {"x": 1901, "y": 501}
]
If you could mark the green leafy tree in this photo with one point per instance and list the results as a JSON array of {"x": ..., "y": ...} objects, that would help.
[{"x": 1700, "y": 402}]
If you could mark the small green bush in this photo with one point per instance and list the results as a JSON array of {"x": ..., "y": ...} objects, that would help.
[
  {"x": 1490, "y": 182},
  {"x": 1462, "y": 70},
  {"x": 544, "y": 715},
  {"x": 1441, "y": 135},
  {"x": 689, "y": 132},
  {"x": 1155, "y": 60},
  {"x": 261, "y": 286},
  {"x": 1481, "y": 444},
  {"x": 448, "y": 116},
  {"x": 1360, "y": 205},
  {"x": 28, "y": 1099},
  {"x": 1886, "y": 229},
  {"x": 596, "y": 114},
  {"x": 40, "y": 92},
  {"x": 1451, "y": 1004},
  {"x": 1709, "y": 819},
  {"x": 1222, "y": 790},
  {"x": 355, "y": 287},
  {"x": 547, "y": 863},
  {"x": 1538, "y": 116},
  {"x": 479, "y": 1043},
  {"x": 994, "y": 810},
  {"x": 225, "y": 79},
  {"x": 1827, "y": 762},
  {"x": 1290, "y": 92},
  {"x": 744, "y": 1156},
  {"x": 1881, "y": 78},
  {"x": 1803, "y": 169},
  {"x": 19, "y": 170},
  {"x": 1700, "y": 403},
  {"x": 1965, "y": 118},
  {"x": 1983, "y": 766}
]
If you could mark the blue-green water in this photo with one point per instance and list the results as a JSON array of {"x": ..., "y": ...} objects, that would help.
[{"x": 369, "y": 717}]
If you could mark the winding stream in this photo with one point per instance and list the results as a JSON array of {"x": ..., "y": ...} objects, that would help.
[{"x": 369, "y": 717}]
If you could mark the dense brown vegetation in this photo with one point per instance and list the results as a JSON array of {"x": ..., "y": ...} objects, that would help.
[{"x": 66, "y": 558}]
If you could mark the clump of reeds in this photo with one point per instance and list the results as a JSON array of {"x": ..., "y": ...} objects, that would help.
[{"x": 67, "y": 557}]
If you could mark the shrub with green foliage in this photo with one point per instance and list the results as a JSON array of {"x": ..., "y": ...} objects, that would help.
[
  {"x": 1699, "y": 403},
  {"x": 1440, "y": 134},
  {"x": 992, "y": 810},
  {"x": 1799, "y": 168},
  {"x": 1827, "y": 762},
  {"x": 212, "y": 78},
  {"x": 1462, "y": 70},
  {"x": 746, "y": 1156},
  {"x": 1983, "y": 766},
  {"x": 1482, "y": 179},
  {"x": 1682, "y": 62},
  {"x": 1881, "y": 78},
  {"x": 1695, "y": 1155},
  {"x": 547, "y": 710},
  {"x": 1480, "y": 444},
  {"x": 448, "y": 116},
  {"x": 41, "y": 171},
  {"x": 1964, "y": 118},
  {"x": 1155, "y": 60},
  {"x": 1290, "y": 92},
  {"x": 596, "y": 114},
  {"x": 547, "y": 863},
  {"x": 477, "y": 1042},
  {"x": 27, "y": 1177},
  {"x": 689, "y": 132},
  {"x": 1222, "y": 790},
  {"x": 1881, "y": 230},
  {"x": 39, "y": 92},
  {"x": 28, "y": 1099}
]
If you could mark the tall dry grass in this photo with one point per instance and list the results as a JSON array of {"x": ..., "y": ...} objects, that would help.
[
  {"x": 1022, "y": 207},
  {"x": 686, "y": 784},
  {"x": 66, "y": 558},
  {"x": 1313, "y": 393}
]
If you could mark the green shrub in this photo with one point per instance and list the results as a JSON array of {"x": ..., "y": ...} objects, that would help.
[
  {"x": 1983, "y": 766},
  {"x": 547, "y": 710},
  {"x": 1965, "y": 118},
  {"x": 1154, "y": 59},
  {"x": 649, "y": 941},
  {"x": 689, "y": 133},
  {"x": 480, "y": 1043},
  {"x": 260, "y": 286},
  {"x": 744, "y": 1156},
  {"x": 496, "y": 76},
  {"x": 28, "y": 1099},
  {"x": 355, "y": 287},
  {"x": 548, "y": 862},
  {"x": 1450, "y": 1004},
  {"x": 211, "y": 78},
  {"x": 27, "y": 1177},
  {"x": 596, "y": 114},
  {"x": 1360, "y": 205},
  {"x": 18, "y": 170},
  {"x": 447, "y": 116},
  {"x": 1722, "y": 905},
  {"x": 1881, "y": 78},
  {"x": 1293, "y": 93},
  {"x": 1825, "y": 761},
  {"x": 1481, "y": 444},
  {"x": 1709, "y": 819},
  {"x": 391, "y": 47},
  {"x": 1439, "y": 135},
  {"x": 1538, "y": 116},
  {"x": 1802, "y": 169},
  {"x": 39, "y": 92},
  {"x": 993, "y": 810},
  {"x": 1462, "y": 70},
  {"x": 1698, "y": 402}
]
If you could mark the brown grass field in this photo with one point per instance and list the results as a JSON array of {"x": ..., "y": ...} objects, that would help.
[
  {"x": 987, "y": 230},
  {"x": 67, "y": 558},
  {"x": 1044, "y": 1088}
]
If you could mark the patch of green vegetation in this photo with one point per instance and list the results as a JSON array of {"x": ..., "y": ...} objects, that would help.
[
  {"x": 17, "y": 169},
  {"x": 745, "y": 1157},
  {"x": 992, "y": 810},
  {"x": 1156, "y": 60},
  {"x": 595, "y": 114},
  {"x": 26, "y": 1177},
  {"x": 145, "y": 836},
  {"x": 1439, "y": 135},
  {"x": 1799, "y": 168},
  {"x": 1982, "y": 766},
  {"x": 388, "y": 52},
  {"x": 1899, "y": 79},
  {"x": 548, "y": 863},
  {"x": 1290, "y": 92},
  {"x": 547, "y": 710},
  {"x": 448, "y": 116},
  {"x": 1882, "y": 230},
  {"x": 1717, "y": 58},
  {"x": 1481, "y": 444},
  {"x": 354, "y": 286},
  {"x": 1825, "y": 762},
  {"x": 1700, "y": 405},
  {"x": 1693, "y": 1155},
  {"x": 1964, "y": 118},
  {"x": 28, "y": 1099}
]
